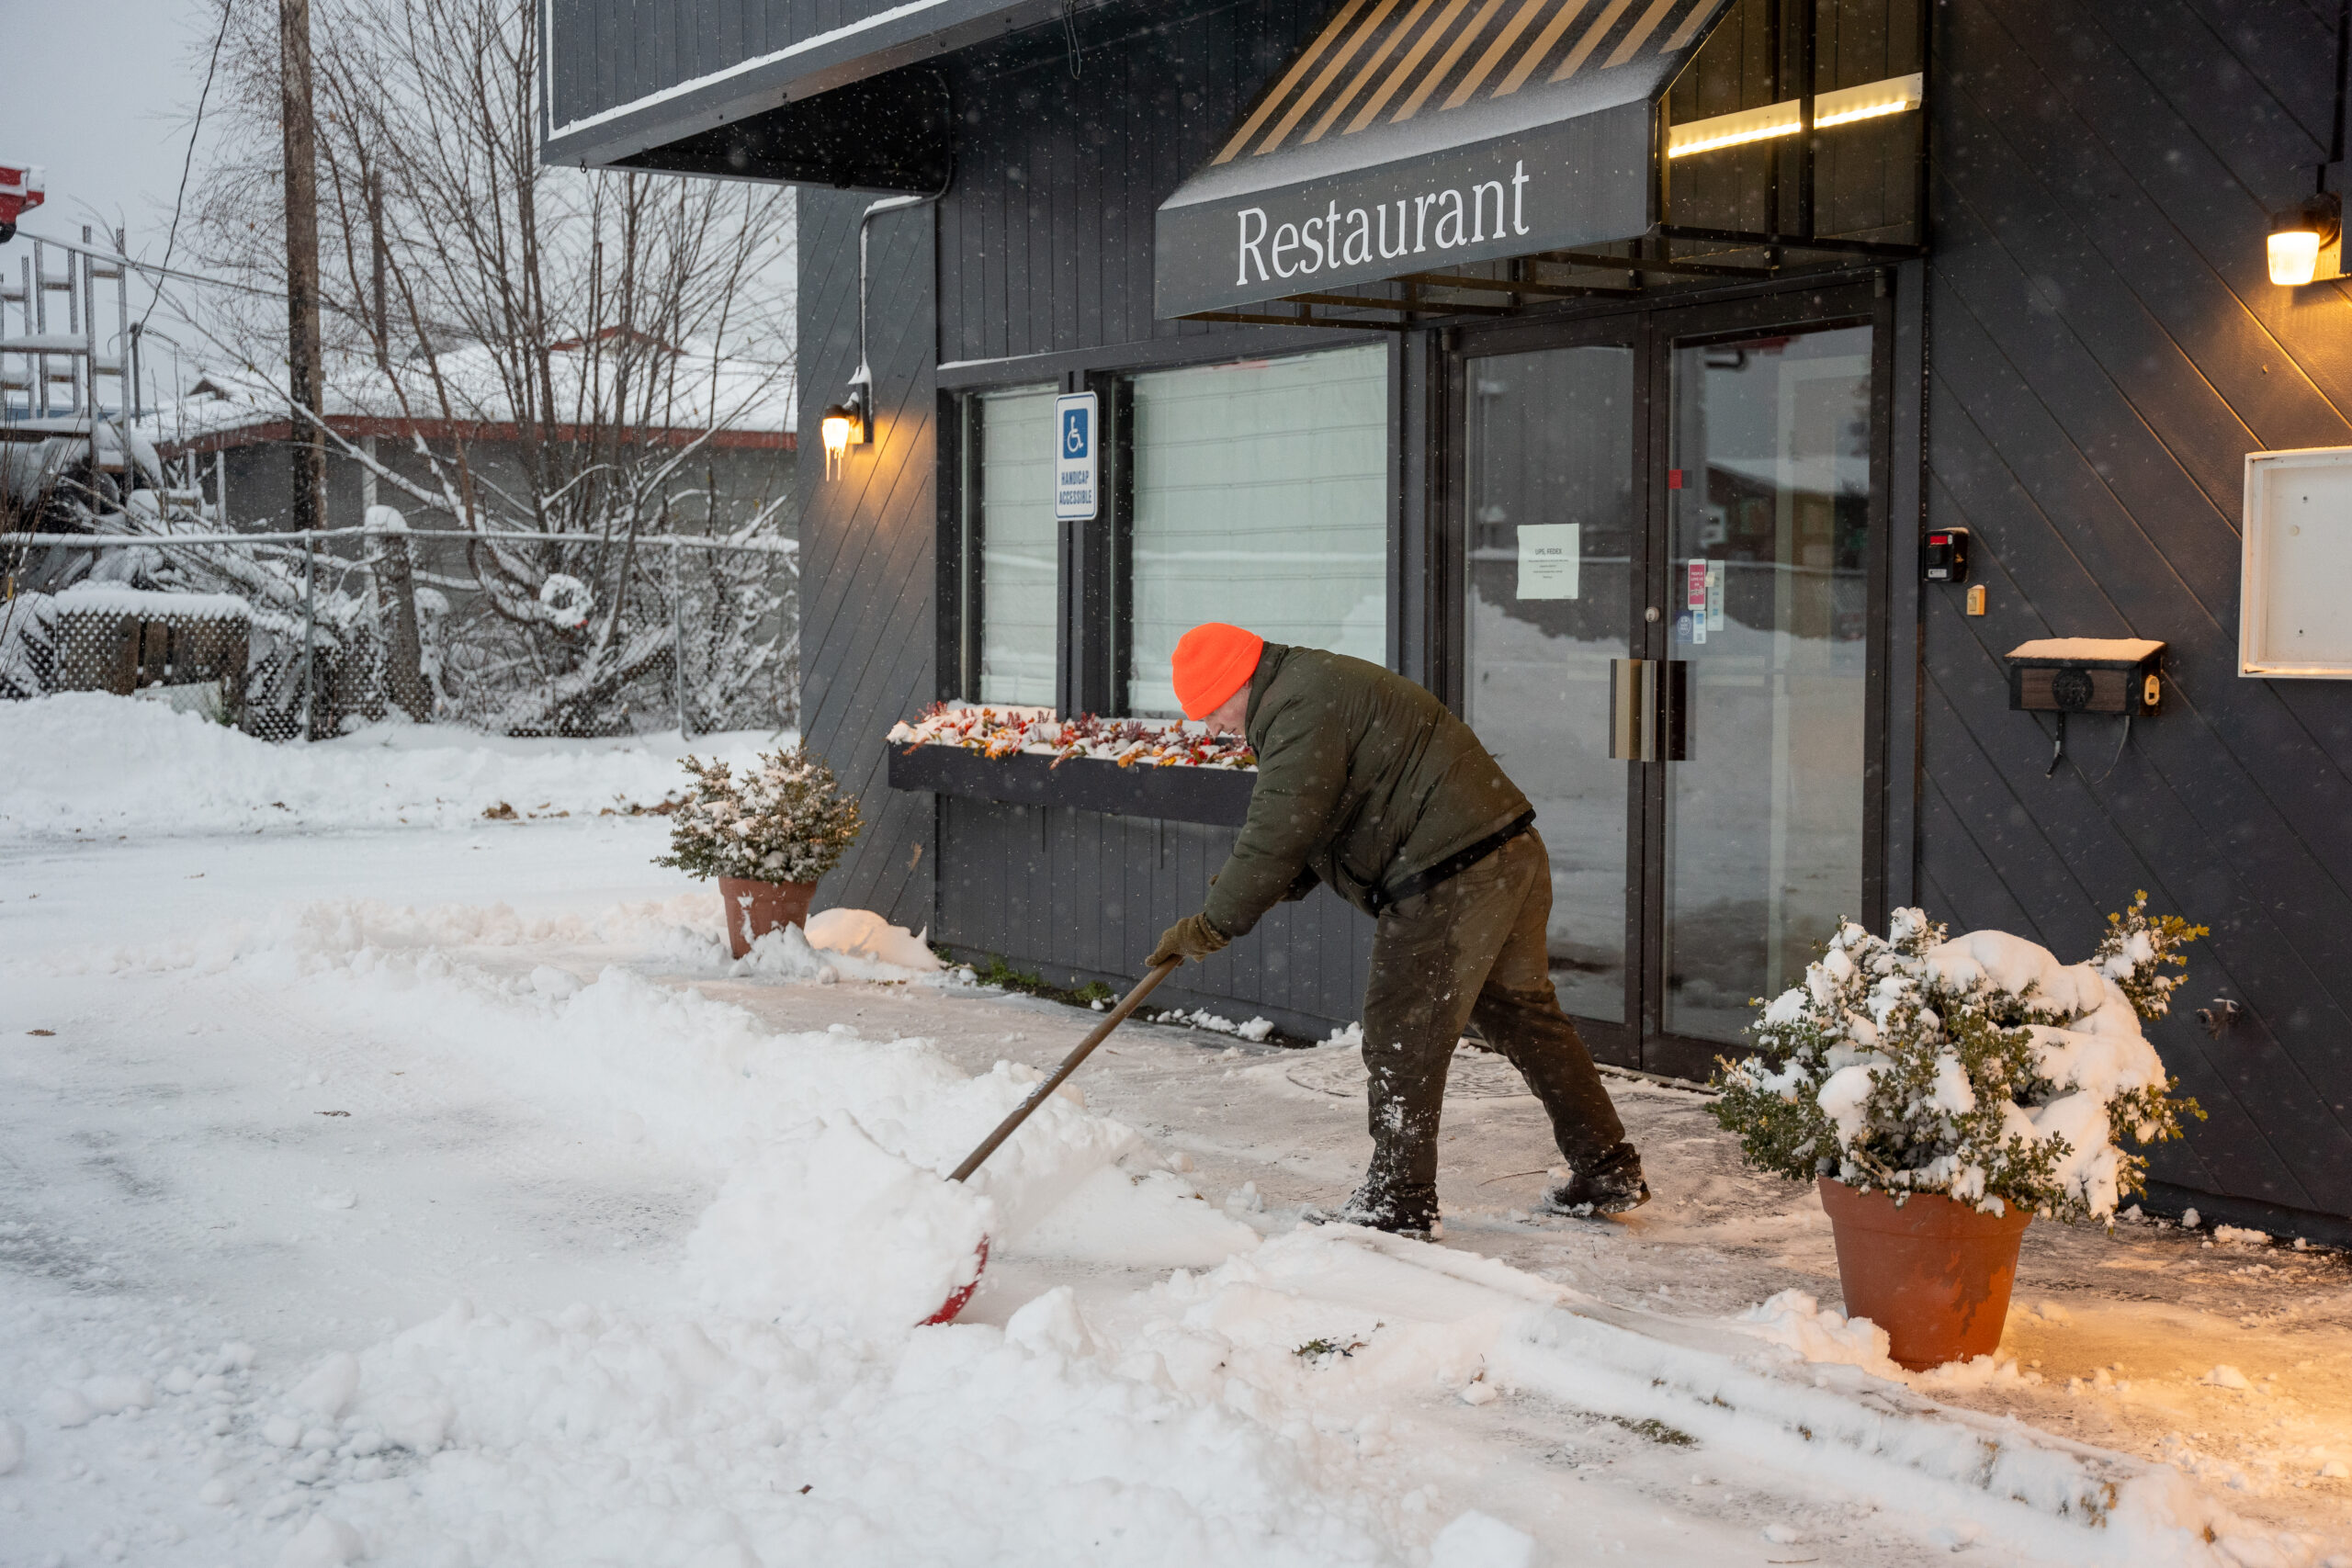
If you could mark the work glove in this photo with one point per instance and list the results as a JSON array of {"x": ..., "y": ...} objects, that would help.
[{"x": 1192, "y": 936}]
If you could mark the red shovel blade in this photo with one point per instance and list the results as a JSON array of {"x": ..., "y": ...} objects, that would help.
[{"x": 962, "y": 1295}]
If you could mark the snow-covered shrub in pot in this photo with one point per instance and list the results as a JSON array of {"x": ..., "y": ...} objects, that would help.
[
  {"x": 1944, "y": 1091},
  {"x": 767, "y": 835}
]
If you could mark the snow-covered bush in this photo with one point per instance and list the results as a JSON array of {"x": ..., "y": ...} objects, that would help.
[
  {"x": 785, "y": 820},
  {"x": 1980, "y": 1068}
]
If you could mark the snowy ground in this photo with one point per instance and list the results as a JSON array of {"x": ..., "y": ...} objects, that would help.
[{"x": 437, "y": 1192}]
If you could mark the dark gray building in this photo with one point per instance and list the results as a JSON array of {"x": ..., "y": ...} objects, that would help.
[{"x": 1623, "y": 372}]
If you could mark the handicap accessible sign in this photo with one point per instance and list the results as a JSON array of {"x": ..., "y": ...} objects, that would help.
[{"x": 1078, "y": 465}]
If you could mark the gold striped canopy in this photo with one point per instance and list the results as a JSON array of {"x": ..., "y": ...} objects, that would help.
[{"x": 1387, "y": 62}]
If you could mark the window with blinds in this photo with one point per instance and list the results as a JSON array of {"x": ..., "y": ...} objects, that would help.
[
  {"x": 1011, "y": 547},
  {"x": 1261, "y": 497}
]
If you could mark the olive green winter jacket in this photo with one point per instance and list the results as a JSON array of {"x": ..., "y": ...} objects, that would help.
[{"x": 1364, "y": 780}]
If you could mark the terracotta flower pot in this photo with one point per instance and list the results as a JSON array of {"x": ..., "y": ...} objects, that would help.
[
  {"x": 755, "y": 908},
  {"x": 1934, "y": 1273}
]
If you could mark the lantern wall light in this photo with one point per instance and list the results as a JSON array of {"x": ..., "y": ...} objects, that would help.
[
  {"x": 842, "y": 426},
  {"x": 2307, "y": 242}
]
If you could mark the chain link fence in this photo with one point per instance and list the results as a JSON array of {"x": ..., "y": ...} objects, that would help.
[{"x": 305, "y": 636}]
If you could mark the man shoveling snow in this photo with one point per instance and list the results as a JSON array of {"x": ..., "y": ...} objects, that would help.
[{"x": 1369, "y": 784}]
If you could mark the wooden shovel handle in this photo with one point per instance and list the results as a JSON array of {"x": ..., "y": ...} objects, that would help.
[{"x": 1011, "y": 1123}]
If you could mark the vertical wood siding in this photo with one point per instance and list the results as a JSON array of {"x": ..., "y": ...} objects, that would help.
[
  {"x": 610, "y": 52},
  {"x": 1046, "y": 240},
  {"x": 868, "y": 538},
  {"x": 2105, "y": 347},
  {"x": 1081, "y": 896}
]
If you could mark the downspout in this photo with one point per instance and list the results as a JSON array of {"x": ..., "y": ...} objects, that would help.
[{"x": 861, "y": 382}]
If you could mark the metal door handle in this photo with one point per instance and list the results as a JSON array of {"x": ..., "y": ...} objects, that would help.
[{"x": 1649, "y": 710}]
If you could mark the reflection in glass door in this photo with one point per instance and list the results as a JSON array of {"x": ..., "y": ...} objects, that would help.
[
  {"x": 1549, "y": 473},
  {"x": 1768, "y": 499}
]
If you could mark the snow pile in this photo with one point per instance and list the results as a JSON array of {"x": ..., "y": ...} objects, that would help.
[
  {"x": 861, "y": 933},
  {"x": 783, "y": 1406},
  {"x": 97, "y": 762},
  {"x": 997, "y": 732},
  {"x": 684, "y": 1441},
  {"x": 850, "y": 947},
  {"x": 829, "y": 1228},
  {"x": 1482, "y": 1541},
  {"x": 1414, "y": 1316},
  {"x": 1819, "y": 1334},
  {"x": 1257, "y": 1031}
]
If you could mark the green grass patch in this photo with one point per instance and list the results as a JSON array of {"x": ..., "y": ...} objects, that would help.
[
  {"x": 995, "y": 971},
  {"x": 1316, "y": 1349},
  {"x": 1657, "y": 1431}
]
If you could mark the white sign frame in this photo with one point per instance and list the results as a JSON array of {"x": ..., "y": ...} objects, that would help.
[
  {"x": 2296, "y": 566},
  {"x": 1078, "y": 478}
]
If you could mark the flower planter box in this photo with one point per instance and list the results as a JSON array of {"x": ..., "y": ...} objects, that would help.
[{"x": 1217, "y": 796}]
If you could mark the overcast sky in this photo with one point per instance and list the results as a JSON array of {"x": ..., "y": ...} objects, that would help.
[{"x": 98, "y": 93}]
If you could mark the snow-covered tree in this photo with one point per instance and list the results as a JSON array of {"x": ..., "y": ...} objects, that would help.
[
  {"x": 1980, "y": 1067},
  {"x": 613, "y": 323}
]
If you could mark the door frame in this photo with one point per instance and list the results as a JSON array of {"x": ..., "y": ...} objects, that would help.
[{"x": 1654, "y": 329}]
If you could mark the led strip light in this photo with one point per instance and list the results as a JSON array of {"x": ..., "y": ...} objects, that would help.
[{"x": 1872, "y": 100}]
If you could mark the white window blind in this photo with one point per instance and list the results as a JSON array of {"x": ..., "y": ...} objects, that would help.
[
  {"x": 1261, "y": 499},
  {"x": 1019, "y": 547}
]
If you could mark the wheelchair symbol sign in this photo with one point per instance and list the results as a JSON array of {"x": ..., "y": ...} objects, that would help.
[{"x": 1076, "y": 464}]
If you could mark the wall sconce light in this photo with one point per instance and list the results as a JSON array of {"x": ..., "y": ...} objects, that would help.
[
  {"x": 842, "y": 426},
  {"x": 2307, "y": 241}
]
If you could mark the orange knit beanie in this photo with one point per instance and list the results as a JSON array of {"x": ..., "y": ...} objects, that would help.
[{"x": 1213, "y": 662}]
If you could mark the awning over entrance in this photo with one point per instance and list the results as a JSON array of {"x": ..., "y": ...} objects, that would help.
[
  {"x": 1413, "y": 134},
  {"x": 1423, "y": 159}
]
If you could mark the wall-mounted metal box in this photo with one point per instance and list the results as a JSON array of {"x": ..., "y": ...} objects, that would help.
[
  {"x": 2295, "y": 580},
  {"x": 2086, "y": 674}
]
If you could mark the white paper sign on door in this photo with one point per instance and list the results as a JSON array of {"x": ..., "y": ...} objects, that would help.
[{"x": 1549, "y": 557}]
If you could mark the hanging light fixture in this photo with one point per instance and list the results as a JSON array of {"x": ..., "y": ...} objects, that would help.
[{"x": 2306, "y": 242}]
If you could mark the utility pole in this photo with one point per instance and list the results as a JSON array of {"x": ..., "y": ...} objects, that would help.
[{"x": 309, "y": 451}]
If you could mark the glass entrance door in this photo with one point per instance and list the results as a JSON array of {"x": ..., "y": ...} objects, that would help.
[
  {"x": 1697, "y": 487},
  {"x": 1552, "y": 530},
  {"x": 1768, "y": 504}
]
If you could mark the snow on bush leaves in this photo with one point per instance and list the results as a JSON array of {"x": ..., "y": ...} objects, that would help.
[
  {"x": 786, "y": 820},
  {"x": 1979, "y": 1067}
]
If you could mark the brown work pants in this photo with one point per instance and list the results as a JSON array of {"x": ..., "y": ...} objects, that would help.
[{"x": 1472, "y": 950}]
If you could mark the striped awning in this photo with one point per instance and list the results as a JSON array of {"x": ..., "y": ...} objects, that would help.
[{"x": 1410, "y": 134}]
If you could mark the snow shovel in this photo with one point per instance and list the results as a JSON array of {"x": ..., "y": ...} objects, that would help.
[{"x": 1010, "y": 1124}]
